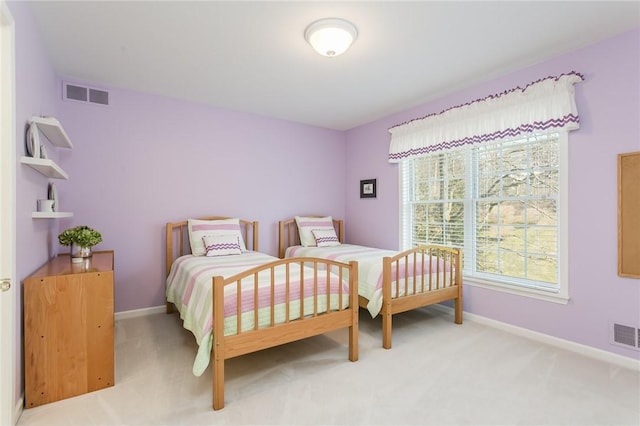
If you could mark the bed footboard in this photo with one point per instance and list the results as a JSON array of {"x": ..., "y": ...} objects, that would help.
[
  {"x": 419, "y": 277},
  {"x": 313, "y": 304}
]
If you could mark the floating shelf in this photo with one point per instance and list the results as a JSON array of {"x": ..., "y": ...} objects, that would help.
[
  {"x": 53, "y": 130},
  {"x": 50, "y": 215},
  {"x": 45, "y": 166}
]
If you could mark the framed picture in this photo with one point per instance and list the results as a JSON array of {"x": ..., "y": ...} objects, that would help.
[{"x": 368, "y": 188}]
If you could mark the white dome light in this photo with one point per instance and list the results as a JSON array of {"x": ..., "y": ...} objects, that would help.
[{"x": 331, "y": 36}]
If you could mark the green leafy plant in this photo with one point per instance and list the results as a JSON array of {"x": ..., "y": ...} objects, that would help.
[{"x": 82, "y": 236}]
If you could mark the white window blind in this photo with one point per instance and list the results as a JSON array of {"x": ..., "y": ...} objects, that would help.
[
  {"x": 501, "y": 202},
  {"x": 433, "y": 199}
]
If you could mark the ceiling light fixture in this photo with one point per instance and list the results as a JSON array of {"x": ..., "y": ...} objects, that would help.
[{"x": 331, "y": 36}]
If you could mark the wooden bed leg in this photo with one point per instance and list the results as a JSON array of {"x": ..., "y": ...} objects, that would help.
[
  {"x": 386, "y": 330},
  {"x": 386, "y": 303},
  {"x": 457, "y": 303},
  {"x": 353, "y": 343},
  {"x": 458, "y": 308},
  {"x": 218, "y": 384},
  {"x": 218, "y": 354},
  {"x": 355, "y": 309},
  {"x": 169, "y": 307}
]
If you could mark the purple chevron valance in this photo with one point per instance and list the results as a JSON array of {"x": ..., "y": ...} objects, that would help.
[{"x": 543, "y": 106}]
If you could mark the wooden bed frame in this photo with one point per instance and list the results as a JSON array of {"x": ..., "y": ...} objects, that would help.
[
  {"x": 230, "y": 346},
  {"x": 425, "y": 292}
]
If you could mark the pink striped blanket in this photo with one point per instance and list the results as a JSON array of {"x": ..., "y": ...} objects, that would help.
[{"x": 190, "y": 283}]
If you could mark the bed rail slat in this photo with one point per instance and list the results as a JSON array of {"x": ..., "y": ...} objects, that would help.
[
  {"x": 239, "y": 306},
  {"x": 272, "y": 299},
  {"x": 288, "y": 292}
]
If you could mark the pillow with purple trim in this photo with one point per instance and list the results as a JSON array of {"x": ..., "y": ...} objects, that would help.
[
  {"x": 199, "y": 228},
  {"x": 326, "y": 237},
  {"x": 221, "y": 245},
  {"x": 306, "y": 224}
]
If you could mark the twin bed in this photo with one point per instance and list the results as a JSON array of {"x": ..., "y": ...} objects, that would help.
[
  {"x": 236, "y": 301},
  {"x": 389, "y": 282}
]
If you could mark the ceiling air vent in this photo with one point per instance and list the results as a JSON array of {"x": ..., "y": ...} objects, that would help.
[
  {"x": 625, "y": 335},
  {"x": 75, "y": 92}
]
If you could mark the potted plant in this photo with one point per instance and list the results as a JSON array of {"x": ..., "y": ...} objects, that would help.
[{"x": 81, "y": 239}]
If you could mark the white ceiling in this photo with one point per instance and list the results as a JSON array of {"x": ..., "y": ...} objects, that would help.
[{"x": 252, "y": 56}]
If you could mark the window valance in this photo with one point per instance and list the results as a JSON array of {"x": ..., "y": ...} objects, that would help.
[{"x": 543, "y": 106}]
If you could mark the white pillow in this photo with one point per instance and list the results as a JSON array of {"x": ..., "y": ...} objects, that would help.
[
  {"x": 221, "y": 245},
  {"x": 326, "y": 237},
  {"x": 199, "y": 228},
  {"x": 307, "y": 224}
]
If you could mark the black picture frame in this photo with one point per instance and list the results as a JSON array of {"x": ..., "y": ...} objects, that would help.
[{"x": 368, "y": 188}]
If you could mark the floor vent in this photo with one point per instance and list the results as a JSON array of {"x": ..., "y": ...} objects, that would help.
[
  {"x": 625, "y": 335},
  {"x": 75, "y": 92}
]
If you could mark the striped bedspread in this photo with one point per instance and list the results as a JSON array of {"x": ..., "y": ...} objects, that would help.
[
  {"x": 190, "y": 283},
  {"x": 370, "y": 269}
]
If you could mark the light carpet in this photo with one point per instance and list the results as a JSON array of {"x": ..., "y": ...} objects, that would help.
[{"x": 438, "y": 373}]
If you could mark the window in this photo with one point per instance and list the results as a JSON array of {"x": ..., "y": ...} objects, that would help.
[
  {"x": 503, "y": 203},
  {"x": 490, "y": 176}
]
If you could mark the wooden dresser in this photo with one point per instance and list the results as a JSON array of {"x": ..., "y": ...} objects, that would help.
[{"x": 68, "y": 326}]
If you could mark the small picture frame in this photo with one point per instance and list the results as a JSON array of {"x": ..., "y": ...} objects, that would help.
[{"x": 368, "y": 188}]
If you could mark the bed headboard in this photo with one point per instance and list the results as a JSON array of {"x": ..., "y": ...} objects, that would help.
[
  {"x": 288, "y": 233},
  {"x": 178, "y": 237}
]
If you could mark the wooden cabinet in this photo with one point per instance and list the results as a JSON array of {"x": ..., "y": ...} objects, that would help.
[{"x": 69, "y": 328}]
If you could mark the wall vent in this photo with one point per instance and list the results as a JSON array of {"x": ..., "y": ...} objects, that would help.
[
  {"x": 79, "y": 93},
  {"x": 625, "y": 335}
]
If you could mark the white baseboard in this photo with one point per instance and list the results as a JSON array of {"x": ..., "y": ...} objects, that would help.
[
  {"x": 140, "y": 312},
  {"x": 17, "y": 411},
  {"x": 585, "y": 350}
]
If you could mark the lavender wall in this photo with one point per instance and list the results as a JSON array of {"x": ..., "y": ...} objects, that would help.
[
  {"x": 147, "y": 160},
  {"x": 35, "y": 95},
  {"x": 609, "y": 106},
  {"x": 36, "y": 91}
]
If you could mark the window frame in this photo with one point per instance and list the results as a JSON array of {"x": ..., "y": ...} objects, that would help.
[{"x": 560, "y": 294}]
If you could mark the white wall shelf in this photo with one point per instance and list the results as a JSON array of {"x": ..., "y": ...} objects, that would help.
[
  {"x": 50, "y": 215},
  {"x": 53, "y": 130},
  {"x": 45, "y": 166}
]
